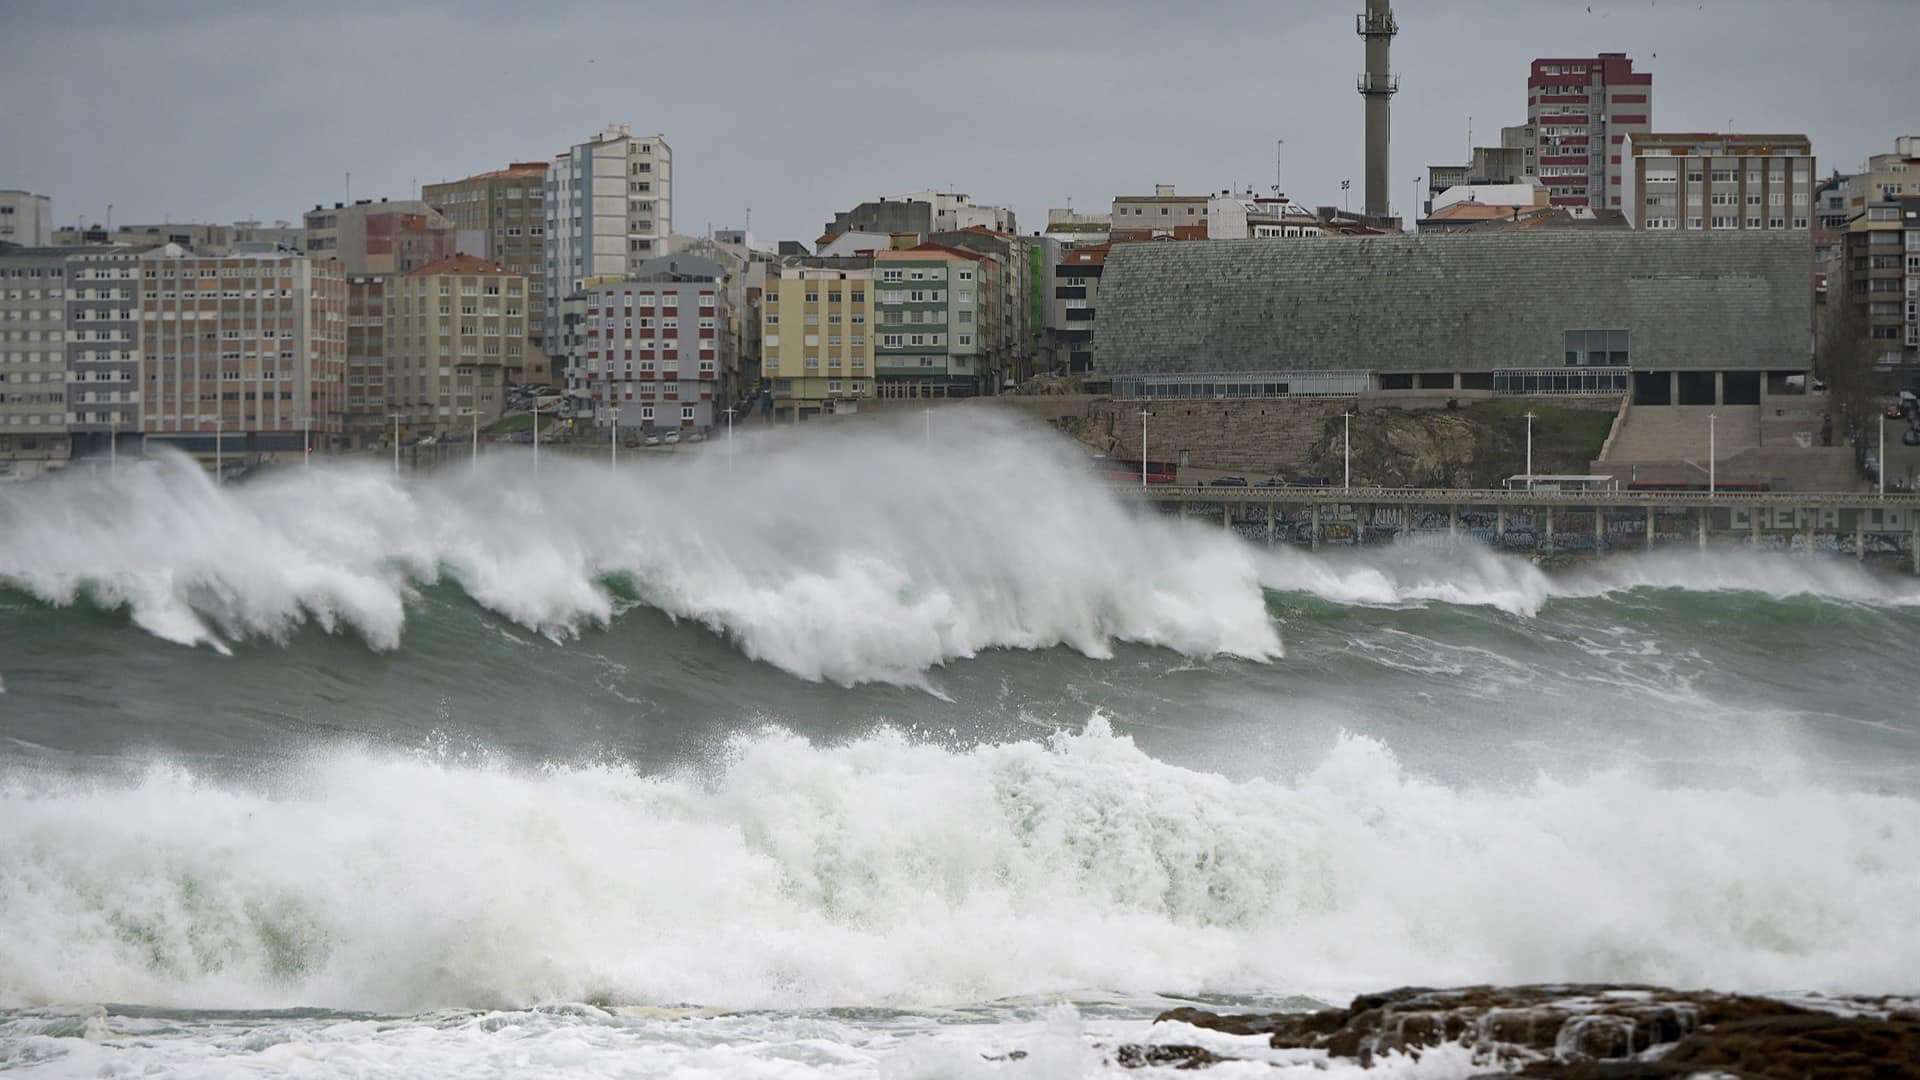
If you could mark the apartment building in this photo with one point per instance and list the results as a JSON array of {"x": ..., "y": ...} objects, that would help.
[
  {"x": 817, "y": 336},
  {"x": 453, "y": 328},
  {"x": 33, "y": 359},
  {"x": 1580, "y": 112},
  {"x": 500, "y": 216},
  {"x": 1076, "y": 302},
  {"x": 921, "y": 213},
  {"x": 247, "y": 351},
  {"x": 1068, "y": 226},
  {"x": 26, "y": 219},
  {"x": 368, "y": 421},
  {"x": 1259, "y": 217},
  {"x": 609, "y": 207},
  {"x": 104, "y": 358},
  {"x": 657, "y": 347},
  {"x": 381, "y": 237},
  {"x": 1881, "y": 266},
  {"x": 1704, "y": 180},
  {"x": 1022, "y": 265},
  {"x": 936, "y": 312},
  {"x": 1161, "y": 214},
  {"x": 1886, "y": 176}
]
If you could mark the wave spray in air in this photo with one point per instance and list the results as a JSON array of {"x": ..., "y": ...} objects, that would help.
[
  {"x": 851, "y": 556},
  {"x": 885, "y": 870}
]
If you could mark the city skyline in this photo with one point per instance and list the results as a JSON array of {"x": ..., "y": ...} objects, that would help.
[{"x": 1057, "y": 110}]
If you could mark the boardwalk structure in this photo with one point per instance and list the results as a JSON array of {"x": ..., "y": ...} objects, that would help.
[{"x": 1862, "y": 523}]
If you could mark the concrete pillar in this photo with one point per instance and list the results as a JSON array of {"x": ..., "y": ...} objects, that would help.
[
  {"x": 1860, "y": 534},
  {"x": 1313, "y": 528},
  {"x": 1753, "y": 526},
  {"x": 1499, "y": 524},
  {"x": 1183, "y": 509},
  {"x": 1453, "y": 523},
  {"x": 1270, "y": 516},
  {"x": 1549, "y": 526},
  {"x": 1673, "y": 388},
  {"x": 1719, "y": 388},
  {"x": 1813, "y": 515},
  {"x": 1649, "y": 528},
  {"x": 1599, "y": 528},
  {"x": 1700, "y": 519},
  {"x": 1226, "y": 516}
]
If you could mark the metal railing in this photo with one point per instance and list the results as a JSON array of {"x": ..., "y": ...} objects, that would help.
[{"x": 1500, "y": 496}]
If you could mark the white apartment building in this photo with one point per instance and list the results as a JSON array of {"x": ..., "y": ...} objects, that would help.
[
  {"x": 609, "y": 208},
  {"x": 1707, "y": 180},
  {"x": 25, "y": 218}
]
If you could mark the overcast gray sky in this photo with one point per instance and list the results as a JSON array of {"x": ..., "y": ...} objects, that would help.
[{"x": 191, "y": 110}]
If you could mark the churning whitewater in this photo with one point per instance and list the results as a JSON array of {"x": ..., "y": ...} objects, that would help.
[
  {"x": 890, "y": 872},
  {"x": 797, "y": 761}
]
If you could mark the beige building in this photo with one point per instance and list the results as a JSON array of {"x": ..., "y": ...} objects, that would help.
[
  {"x": 1706, "y": 181},
  {"x": 1138, "y": 217},
  {"x": 246, "y": 349},
  {"x": 453, "y": 330},
  {"x": 498, "y": 216},
  {"x": 25, "y": 218},
  {"x": 1887, "y": 176},
  {"x": 817, "y": 336},
  {"x": 379, "y": 237}
]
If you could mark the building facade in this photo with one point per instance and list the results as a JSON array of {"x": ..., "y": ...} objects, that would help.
[
  {"x": 26, "y": 219},
  {"x": 104, "y": 350},
  {"x": 368, "y": 420},
  {"x": 937, "y": 314},
  {"x": 1143, "y": 217},
  {"x": 248, "y": 351},
  {"x": 500, "y": 216},
  {"x": 1580, "y": 112},
  {"x": 609, "y": 207},
  {"x": 379, "y": 237},
  {"x": 657, "y": 345},
  {"x": 818, "y": 337},
  {"x": 1076, "y": 303},
  {"x": 33, "y": 359},
  {"x": 1876, "y": 302},
  {"x": 1886, "y": 176},
  {"x": 1707, "y": 181},
  {"x": 452, "y": 329},
  {"x": 1445, "y": 312}
]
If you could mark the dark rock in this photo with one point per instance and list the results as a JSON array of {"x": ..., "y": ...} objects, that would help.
[
  {"x": 1607, "y": 1032},
  {"x": 1136, "y": 1056}
]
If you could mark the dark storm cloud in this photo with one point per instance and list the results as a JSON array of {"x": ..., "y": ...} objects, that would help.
[{"x": 212, "y": 111}]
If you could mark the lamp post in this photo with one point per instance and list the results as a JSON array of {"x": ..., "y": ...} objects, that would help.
[
  {"x": 1882, "y": 470},
  {"x": 474, "y": 466},
  {"x": 929, "y": 425},
  {"x": 113, "y": 440},
  {"x": 219, "y": 457},
  {"x": 1529, "y": 449},
  {"x": 1413, "y": 211},
  {"x": 306, "y": 440},
  {"x": 1711, "y": 463},
  {"x": 1346, "y": 440},
  {"x": 613, "y": 444},
  {"x": 536, "y": 434},
  {"x": 1143, "y": 448},
  {"x": 730, "y": 412}
]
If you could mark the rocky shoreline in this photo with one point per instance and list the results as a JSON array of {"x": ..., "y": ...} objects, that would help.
[{"x": 1574, "y": 1032}]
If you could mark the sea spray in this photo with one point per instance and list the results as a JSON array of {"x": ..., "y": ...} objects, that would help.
[
  {"x": 885, "y": 870},
  {"x": 850, "y": 556}
]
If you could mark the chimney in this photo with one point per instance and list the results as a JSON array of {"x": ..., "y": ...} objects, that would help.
[{"x": 1377, "y": 86}]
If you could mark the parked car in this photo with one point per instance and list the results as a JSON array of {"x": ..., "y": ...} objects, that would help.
[
  {"x": 631, "y": 442},
  {"x": 1228, "y": 481},
  {"x": 1272, "y": 481},
  {"x": 653, "y": 440},
  {"x": 670, "y": 438}
]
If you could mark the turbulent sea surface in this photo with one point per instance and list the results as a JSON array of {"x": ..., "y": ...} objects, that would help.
[{"x": 867, "y": 755}]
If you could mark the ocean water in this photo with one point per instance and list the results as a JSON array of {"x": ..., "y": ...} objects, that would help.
[{"x": 857, "y": 753}]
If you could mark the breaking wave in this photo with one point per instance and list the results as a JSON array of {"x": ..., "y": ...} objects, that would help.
[
  {"x": 890, "y": 871},
  {"x": 853, "y": 556}
]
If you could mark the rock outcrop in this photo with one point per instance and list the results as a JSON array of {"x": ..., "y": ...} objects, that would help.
[{"x": 1589, "y": 1032}]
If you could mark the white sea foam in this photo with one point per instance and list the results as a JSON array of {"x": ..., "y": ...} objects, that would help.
[
  {"x": 890, "y": 872},
  {"x": 851, "y": 556},
  {"x": 1432, "y": 570}
]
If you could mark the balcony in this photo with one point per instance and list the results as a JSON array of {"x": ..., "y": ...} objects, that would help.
[
  {"x": 1367, "y": 22},
  {"x": 1369, "y": 83}
]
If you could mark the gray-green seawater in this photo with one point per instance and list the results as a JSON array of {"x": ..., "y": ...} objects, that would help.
[{"x": 805, "y": 766}]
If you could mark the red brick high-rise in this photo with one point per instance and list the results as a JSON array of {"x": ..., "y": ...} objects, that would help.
[{"x": 1579, "y": 114}]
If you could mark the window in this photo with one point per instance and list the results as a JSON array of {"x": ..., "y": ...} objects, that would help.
[
  {"x": 686, "y": 412},
  {"x": 1597, "y": 348}
]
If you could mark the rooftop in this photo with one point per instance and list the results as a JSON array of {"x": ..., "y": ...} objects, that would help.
[{"x": 460, "y": 264}]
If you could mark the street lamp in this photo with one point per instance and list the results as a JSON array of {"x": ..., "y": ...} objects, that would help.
[
  {"x": 473, "y": 467},
  {"x": 1882, "y": 470},
  {"x": 613, "y": 444},
  {"x": 1711, "y": 463},
  {"x": 1529, "y": 449},
  {"x": 396, "y": 444},
  {"x": 536, "y": 434},
  {"x": 730, "y": 411},
  {"x": 929, "y": 425},
  {"x": 1143, "y": 447},
  {"x": 1346, "y": 439},
  {"x": 1413, "y": 212}
]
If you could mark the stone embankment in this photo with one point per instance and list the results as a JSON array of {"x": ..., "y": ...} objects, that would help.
[{"x": 1575, "y": 1032}]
